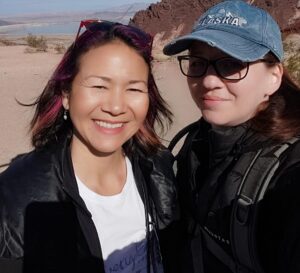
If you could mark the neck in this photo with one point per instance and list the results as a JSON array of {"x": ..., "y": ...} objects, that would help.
[{"x": 103, "y": 173}]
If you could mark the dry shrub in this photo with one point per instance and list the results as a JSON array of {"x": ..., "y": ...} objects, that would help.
[
  {"x": 6, "y": 42},
  {"x": 60, "y": 48},
  {"x": 39, "y": 43}
]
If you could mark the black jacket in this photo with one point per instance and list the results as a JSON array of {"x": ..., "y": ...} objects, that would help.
[
  {"x": 204, "y": 163},
  {"x": 45, "y": 225}
]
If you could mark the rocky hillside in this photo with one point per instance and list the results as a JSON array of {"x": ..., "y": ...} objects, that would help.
[{"x": 170, "y": 18}]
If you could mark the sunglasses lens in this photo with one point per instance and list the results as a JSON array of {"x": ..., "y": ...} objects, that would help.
[
  {"x": 98, "y": 26},
  {"x": 231, "y": 69},
  {"x": 192, "y": 66},
  {"x": 106, "y": 26}
]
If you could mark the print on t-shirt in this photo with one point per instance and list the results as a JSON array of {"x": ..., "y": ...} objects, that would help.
[{"x": 131, "y": 259}]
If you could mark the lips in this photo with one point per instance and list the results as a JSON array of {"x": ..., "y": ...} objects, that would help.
[
  {"x": 212, "y": 102},
  {"x": 213, "y": 98}
]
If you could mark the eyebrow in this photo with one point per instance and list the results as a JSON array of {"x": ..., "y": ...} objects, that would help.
[
  {"x": 109, "y": 79},
  {"x": 136, "y": 81},
  {"x": 98, "y": 77}
]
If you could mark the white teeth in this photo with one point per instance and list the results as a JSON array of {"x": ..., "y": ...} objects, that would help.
[{"x": 109, "y": 125}]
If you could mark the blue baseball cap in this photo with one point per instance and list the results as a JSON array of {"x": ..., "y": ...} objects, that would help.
[{"x": 240, "y": 30}]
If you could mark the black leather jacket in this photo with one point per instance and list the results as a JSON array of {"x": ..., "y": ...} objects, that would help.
[{"x": 45, "y": 225}]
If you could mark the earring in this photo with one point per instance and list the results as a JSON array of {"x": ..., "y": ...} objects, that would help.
[{"x": 65, "y": 115}]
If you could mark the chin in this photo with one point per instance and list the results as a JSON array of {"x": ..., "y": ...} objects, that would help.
[
  {"x": 215, "y": 119},
  {"x": 103, "y": 150}
]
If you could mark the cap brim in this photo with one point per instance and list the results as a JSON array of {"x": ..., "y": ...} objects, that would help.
[{"x": 231, "y": 44}]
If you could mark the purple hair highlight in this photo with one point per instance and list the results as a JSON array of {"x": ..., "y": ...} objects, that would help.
[{"x": 49, "y": 115}]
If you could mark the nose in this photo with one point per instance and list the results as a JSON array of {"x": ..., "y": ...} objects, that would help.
[
  {"x": 114, "y": 102},
  {"x": 211, "y": 79}
]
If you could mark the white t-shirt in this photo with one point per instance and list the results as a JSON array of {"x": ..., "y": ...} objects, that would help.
[{"x": 121, "y": 226}]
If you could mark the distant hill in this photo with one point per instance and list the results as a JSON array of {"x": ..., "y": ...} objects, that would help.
[
  {"x": 122, "y": 13},
  {"x": 4, "y": 23},
  {"x": 134, "y": 7}
]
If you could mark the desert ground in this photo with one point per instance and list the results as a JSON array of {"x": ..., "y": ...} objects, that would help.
[{"x": 24, "y": 74}]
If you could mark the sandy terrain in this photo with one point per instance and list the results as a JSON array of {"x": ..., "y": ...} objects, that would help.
[{"x": 24, "y": 75}]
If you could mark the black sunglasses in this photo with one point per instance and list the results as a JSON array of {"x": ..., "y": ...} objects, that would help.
[
  {"x": 103, "y": 25},
  {"x": 95, "y": 25}
]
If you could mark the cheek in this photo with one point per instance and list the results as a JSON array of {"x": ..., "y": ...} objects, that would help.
[
  {"x": 83, "y": 97},
  {"x": 81, "y": 105},
  {"x": 139, "y": 106},
  {"x": 195, "y": 90},
  {"x": 192, "y": 84},
  {"x": 248, "y": 101},
  {"x": 252, "y": 93},
  {"x": 257, "y": 82}
]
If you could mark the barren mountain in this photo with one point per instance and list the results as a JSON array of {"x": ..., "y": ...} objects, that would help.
[{"x": 170, "y": 18}]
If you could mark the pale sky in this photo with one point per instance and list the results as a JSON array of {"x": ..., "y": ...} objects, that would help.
[{"x": 22, "y": 7}]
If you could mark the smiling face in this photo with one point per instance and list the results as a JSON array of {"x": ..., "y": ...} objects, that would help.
[
  {"x": 109, "y": 99},
  {"x": 230, "y": 103}
]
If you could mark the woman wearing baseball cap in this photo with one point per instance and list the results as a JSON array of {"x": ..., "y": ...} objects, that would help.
[{"x": 239, "y": 168}]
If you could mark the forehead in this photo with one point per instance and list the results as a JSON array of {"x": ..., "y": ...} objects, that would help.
[
  {"x": 115, "y": 61},
  {"x": 203, "y": 49},
  {"x": 109, "y": 49},
  {"x": 115, "y": 52}
]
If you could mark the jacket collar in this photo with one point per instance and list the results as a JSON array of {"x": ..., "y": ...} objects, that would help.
[
  {"x": 156, "y": 182},
  {"x": 231, "y": 141},
  {"x": 64, "y": 167}
]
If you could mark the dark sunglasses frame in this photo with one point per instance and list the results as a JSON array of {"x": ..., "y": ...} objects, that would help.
[
  {"x": 104, "y": 25},
  {"x": 94, "y": 25},
  {"x": 214, "y": 64}
]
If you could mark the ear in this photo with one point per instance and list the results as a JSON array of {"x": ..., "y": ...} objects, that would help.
[
  {"x": 275, "y": 78},
  {"x": 65, "y": 100}
]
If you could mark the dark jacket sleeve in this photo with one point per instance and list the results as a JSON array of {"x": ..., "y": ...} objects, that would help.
[
  {"x": 160, "y": 178},
  {"x": 172, "y": 237},
  {"x": 11, "y": 265},
  {"x": 279, "y": 224},
  {"x": 170, "y": 245},
  {"x": 10, "y": 244},
  {"x": 289, "y": 246}
]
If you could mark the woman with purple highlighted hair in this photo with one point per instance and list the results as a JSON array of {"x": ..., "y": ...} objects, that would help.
[{"x": 97, "y": 192}]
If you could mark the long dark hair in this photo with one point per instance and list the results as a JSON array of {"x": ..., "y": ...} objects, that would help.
[
  {"x": 279, "y": 118},
  {"x": 48, "y": 124}
]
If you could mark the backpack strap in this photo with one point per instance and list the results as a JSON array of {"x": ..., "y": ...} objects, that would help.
[
  {"x": 186, "y": 130},
  {"x": 253, "y": 186},
  {"x": 190, "y": 130},
  {"x": 256, "y": 170},
  {"x": 217, "y": 250}
]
